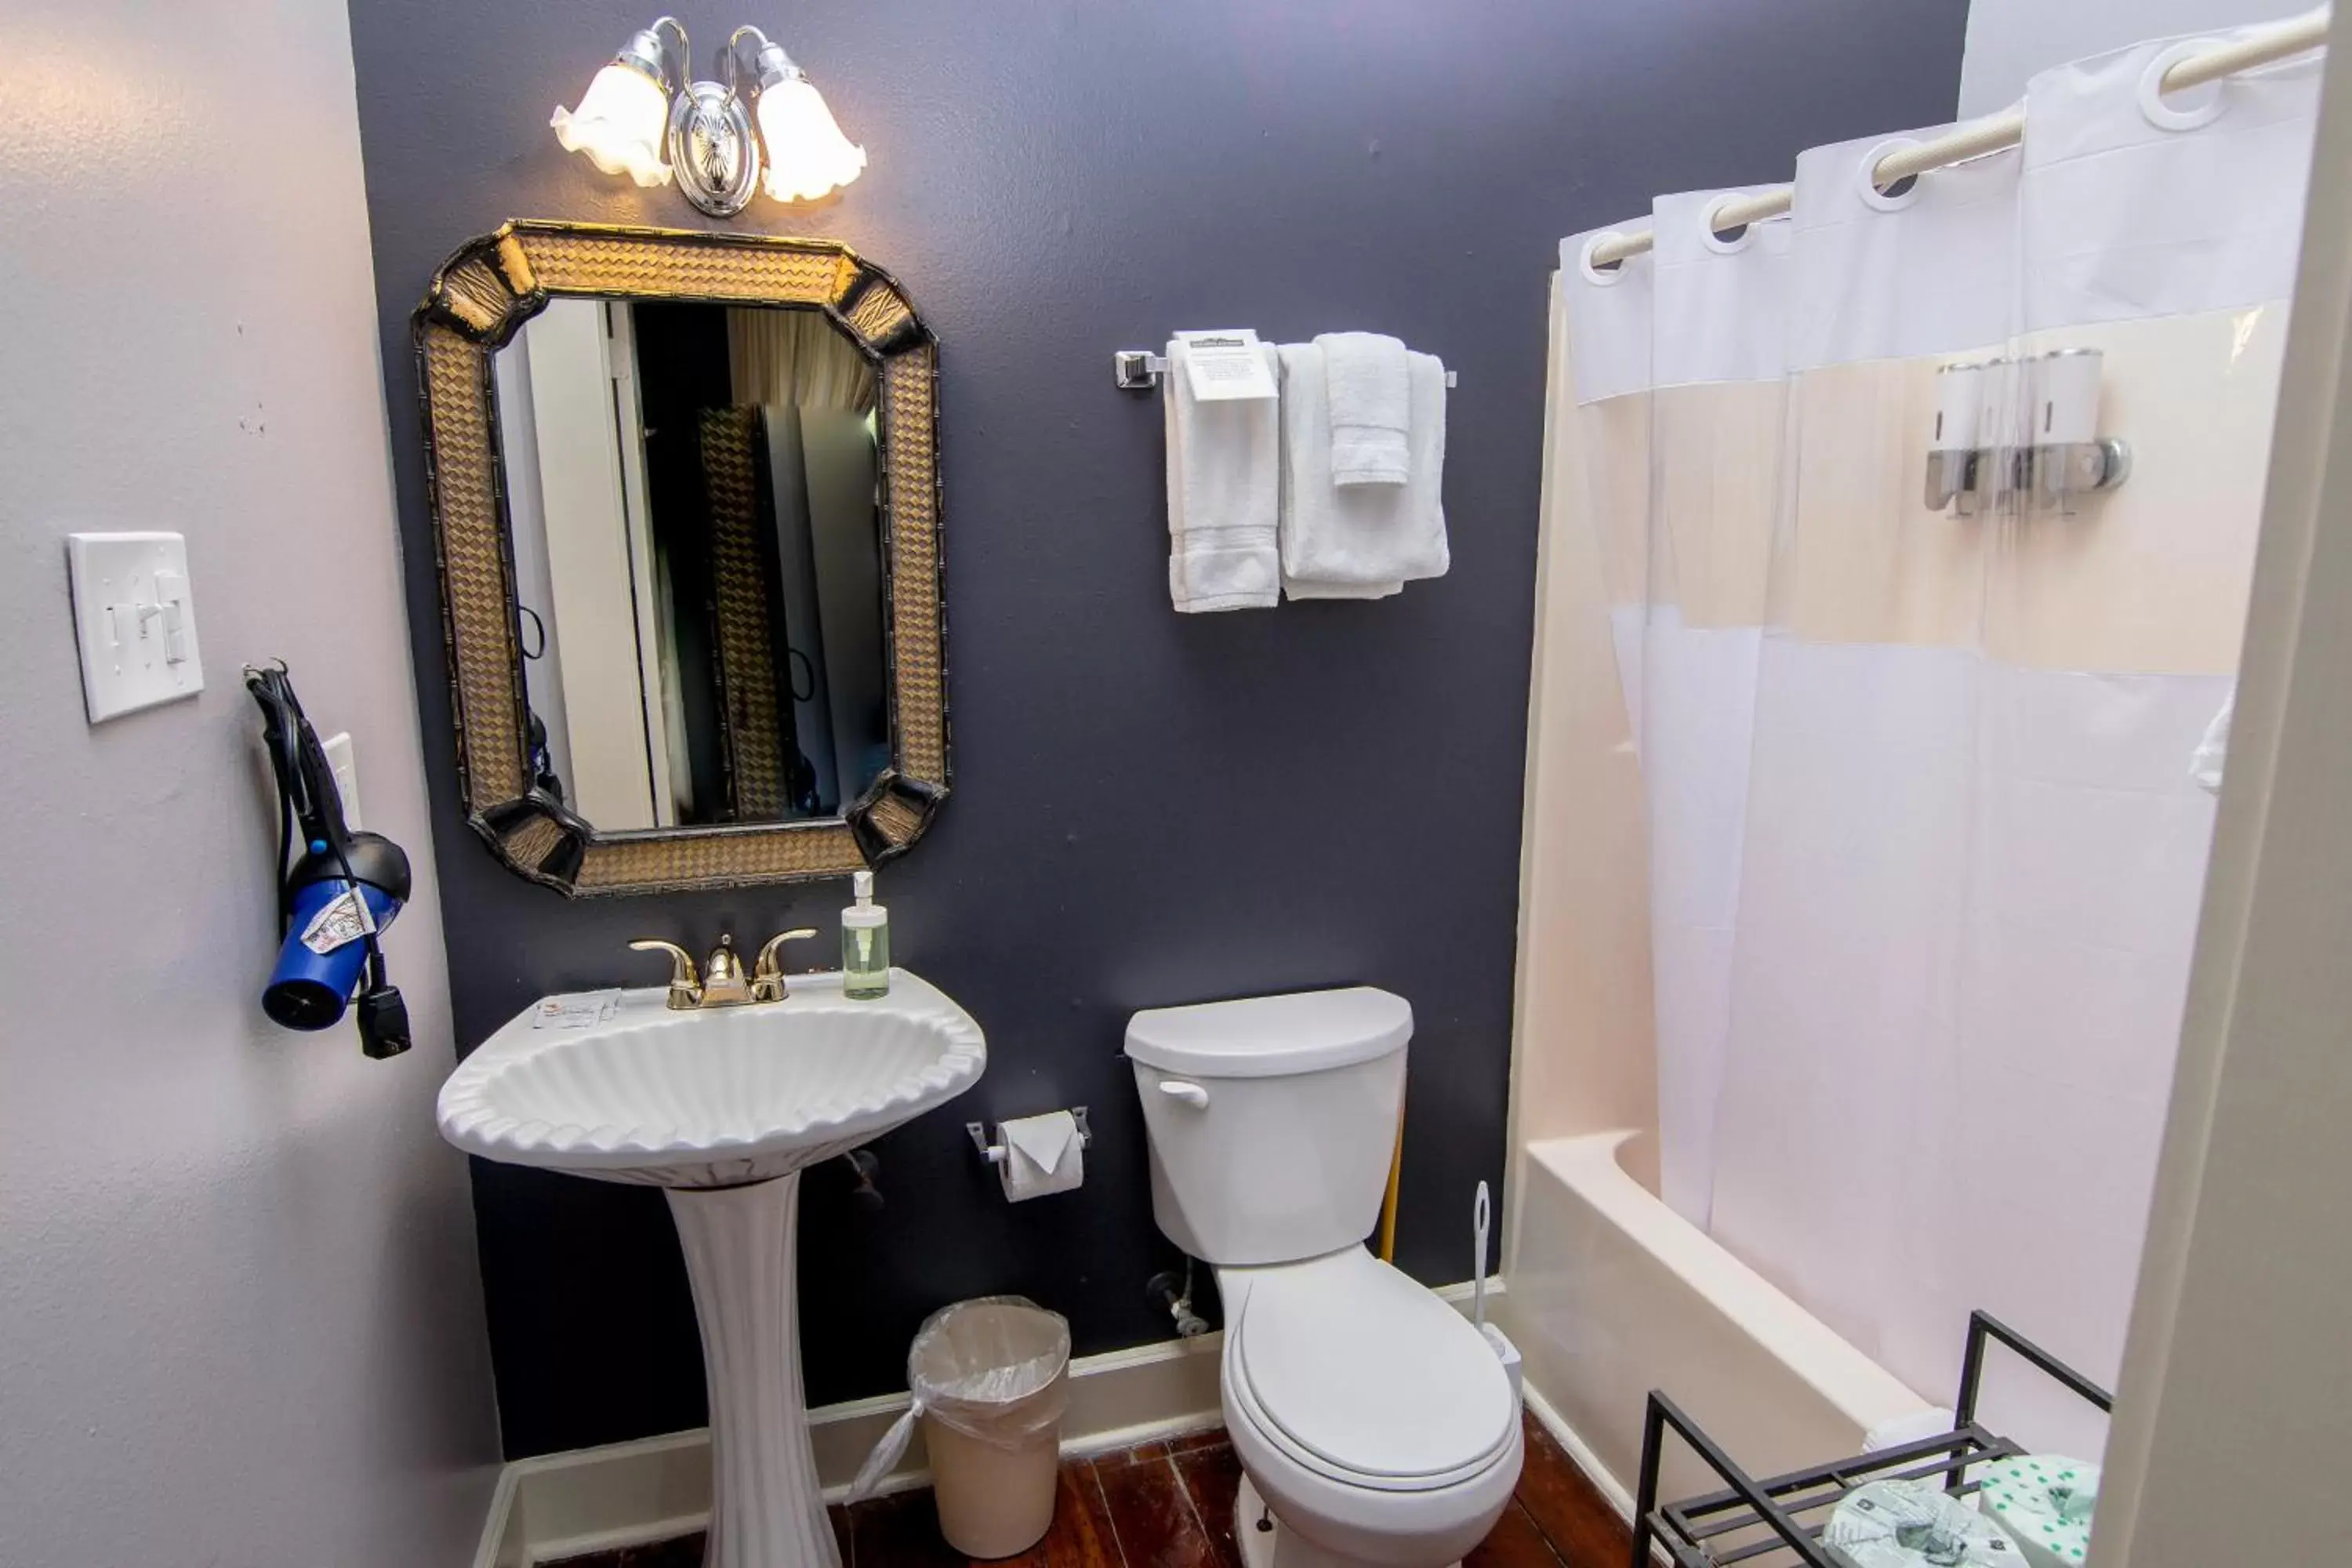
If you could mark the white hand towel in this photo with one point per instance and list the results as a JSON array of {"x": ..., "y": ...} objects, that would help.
[
  {"x": 1371, "y": 408},
  {"x": 1362, "y": 541},
  {"x": 1292, "y": 588},
  {"x": 1224, "y": 488}
]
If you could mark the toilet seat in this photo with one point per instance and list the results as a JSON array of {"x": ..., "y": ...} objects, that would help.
[{"x": 1358, "y": 1373}]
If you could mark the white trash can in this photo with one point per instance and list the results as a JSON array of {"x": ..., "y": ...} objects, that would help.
[{"x": 990, "y": 1379}]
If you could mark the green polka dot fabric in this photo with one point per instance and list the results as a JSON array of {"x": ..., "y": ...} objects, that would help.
[{"x": 2047, "y": 1502}]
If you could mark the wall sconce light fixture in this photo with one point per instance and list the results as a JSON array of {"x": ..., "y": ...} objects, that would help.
[{"x": 644, "y": 118}]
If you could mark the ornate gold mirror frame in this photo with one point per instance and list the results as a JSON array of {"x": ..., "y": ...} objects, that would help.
[{"x": 479, "y": 298}]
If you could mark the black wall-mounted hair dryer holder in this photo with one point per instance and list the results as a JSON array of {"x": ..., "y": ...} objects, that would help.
[{"x": 338, "y": 893}]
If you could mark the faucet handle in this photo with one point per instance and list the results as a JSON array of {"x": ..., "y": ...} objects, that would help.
[
  {"x": 768, "y": 979},
  {"x": 685, "y": 986}
]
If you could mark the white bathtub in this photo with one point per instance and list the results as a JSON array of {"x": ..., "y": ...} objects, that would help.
[{"x": 1611, "y": 1294}]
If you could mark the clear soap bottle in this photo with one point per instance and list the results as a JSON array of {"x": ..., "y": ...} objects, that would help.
[{"x": 864, "y": 943}]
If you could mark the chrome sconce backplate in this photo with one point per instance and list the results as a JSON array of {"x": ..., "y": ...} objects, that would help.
[
  {"x": 759, "y": 125},
  {"x": 712, "y": 152}
]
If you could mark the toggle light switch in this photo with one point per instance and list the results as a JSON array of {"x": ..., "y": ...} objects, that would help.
[
  {"x": 172, "y": 594},
  {"x": 134, "y": 620}
]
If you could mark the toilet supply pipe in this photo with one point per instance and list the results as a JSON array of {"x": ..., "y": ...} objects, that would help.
[{"x": 1174, "y": 1296}]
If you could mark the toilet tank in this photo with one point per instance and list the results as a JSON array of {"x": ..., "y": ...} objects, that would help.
[{"x": 1271, "y": 1119}]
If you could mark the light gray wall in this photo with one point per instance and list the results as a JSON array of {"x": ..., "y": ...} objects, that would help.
[
  {"x": 2010, "y": 40},
  {"x": 240, "y": 1321}
]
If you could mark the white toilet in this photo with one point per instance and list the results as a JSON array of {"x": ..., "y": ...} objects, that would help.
[{"x": 1373, "y": 1424}]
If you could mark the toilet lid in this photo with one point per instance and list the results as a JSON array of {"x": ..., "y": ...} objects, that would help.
[{"x": 1369, "y": 1372}]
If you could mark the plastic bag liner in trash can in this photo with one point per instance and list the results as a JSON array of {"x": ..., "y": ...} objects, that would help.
[{"x": 991, "y": 1370}]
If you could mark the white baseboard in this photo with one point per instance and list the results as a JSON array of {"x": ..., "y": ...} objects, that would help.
[
  {"x": 1579, "y": 1452},
  {"x": 625, "y": 1494}
]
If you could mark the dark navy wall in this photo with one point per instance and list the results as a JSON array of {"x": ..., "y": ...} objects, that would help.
[{"x": 1149, "y": 808}]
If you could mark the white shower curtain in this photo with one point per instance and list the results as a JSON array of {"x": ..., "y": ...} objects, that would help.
[
  {"x": 787, "y": 358},
  {"x": 1925, "y": 852}
]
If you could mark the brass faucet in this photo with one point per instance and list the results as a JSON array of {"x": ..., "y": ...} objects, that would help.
[{"x": 720, "y": 983}]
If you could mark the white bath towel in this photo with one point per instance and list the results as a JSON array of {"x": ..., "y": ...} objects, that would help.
[
  {"x": 1371, "y": 408},
  {"x": 1224, "y": 489},
  {"x": 1362, "y": 541}
]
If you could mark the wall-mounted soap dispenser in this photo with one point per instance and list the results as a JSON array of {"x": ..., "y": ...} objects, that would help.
[{"x": 864, "y": 943}]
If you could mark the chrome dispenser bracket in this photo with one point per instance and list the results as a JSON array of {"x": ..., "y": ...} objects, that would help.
[{"x": 2061, "y": 473}]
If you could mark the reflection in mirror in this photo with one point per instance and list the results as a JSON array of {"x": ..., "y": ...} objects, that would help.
[{"x": 698, "y": 561}]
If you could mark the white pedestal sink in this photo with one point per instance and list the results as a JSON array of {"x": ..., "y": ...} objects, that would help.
[{"x": 724, "y": 1109}]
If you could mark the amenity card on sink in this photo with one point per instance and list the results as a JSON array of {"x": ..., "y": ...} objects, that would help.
[{"x": 582, "y": 1010}]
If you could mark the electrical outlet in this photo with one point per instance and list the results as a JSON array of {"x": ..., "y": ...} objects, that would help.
[{"x": 346, "y": 769}]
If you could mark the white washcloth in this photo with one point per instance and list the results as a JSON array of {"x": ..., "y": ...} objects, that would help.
[
  {"x": 1371, "y": 408},
  {"x": 1362, "y": 541},
  {"x": 1224, "y": 489}
]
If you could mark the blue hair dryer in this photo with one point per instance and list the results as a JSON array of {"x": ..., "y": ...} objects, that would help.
[{"x": 341, "y": 891}]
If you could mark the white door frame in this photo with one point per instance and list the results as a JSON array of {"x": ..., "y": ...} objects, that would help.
[{"x": 2235, "y": 1405}]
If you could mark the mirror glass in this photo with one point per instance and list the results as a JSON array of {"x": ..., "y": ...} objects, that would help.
[{"x": 698, "y": 561}]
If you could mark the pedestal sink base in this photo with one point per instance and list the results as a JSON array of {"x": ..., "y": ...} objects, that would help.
[
  {"x": 767, "y": 1510},
  {"x": 720, "y": 1106}
]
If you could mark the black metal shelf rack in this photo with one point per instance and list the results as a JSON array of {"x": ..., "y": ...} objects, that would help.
[{"x": 1786, "y": 1513}]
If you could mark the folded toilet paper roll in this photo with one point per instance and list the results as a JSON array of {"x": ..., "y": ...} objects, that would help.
[
  {"x": 2046, "y": 1500},
  {"x": 1041, "y": 1154},
  {"x": 1913, "y": 1524}
]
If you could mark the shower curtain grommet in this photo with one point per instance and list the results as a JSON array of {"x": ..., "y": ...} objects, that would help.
[
  {"x": 2190, "y": 110},
  {"x": 1714, "y": 240},
  {"x": 1592, "y": 274},
  {"x": 1866, "y": 174}
]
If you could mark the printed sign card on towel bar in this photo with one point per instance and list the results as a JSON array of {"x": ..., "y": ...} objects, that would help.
[{"x": 1226, "y": 367}]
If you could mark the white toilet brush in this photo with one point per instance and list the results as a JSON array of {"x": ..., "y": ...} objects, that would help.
[
  {"x": 1504, "y": 1350},
  {"x": 1478, "y": 1214}
]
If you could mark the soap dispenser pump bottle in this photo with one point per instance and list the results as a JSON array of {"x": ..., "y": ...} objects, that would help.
[{"x": 864, "y": 943}]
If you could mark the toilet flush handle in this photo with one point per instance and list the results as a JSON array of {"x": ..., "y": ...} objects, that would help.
[{"x": 1191, "y": 1094}]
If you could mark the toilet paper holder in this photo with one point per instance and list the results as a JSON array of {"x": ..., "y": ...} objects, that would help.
[{"x": 994, "y": 1153}]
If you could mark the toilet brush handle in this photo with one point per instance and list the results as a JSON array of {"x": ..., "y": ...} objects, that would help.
[{"x": 1478, "y": 1218}]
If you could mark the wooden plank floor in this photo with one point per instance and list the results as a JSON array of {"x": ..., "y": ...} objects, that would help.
[{"x": 1170, "y": 1505}]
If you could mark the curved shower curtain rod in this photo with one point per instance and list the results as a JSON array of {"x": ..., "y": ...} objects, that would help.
[{"x": 1996, "y": 132}]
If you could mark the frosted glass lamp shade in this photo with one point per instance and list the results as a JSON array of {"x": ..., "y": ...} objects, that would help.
[
  {"x": 620, "y": 124},
  {"x": 807, "y": 154}
]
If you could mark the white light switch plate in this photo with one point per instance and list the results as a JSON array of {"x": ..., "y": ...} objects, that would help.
[{"x": 135, "y": 619}]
